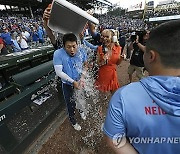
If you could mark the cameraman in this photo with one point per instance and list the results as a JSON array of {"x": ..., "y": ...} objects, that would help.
[{"x": 136, "y": 63}]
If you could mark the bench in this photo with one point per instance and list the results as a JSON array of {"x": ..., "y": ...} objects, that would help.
[{"x": 27, "y": 83}]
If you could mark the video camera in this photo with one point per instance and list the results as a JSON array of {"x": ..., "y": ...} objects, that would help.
[{"x": 138, "y": 33}]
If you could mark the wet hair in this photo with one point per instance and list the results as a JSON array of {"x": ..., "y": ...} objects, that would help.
[
  {"x": 69, "y": 37},
  {"x": 165, "y": 41}
]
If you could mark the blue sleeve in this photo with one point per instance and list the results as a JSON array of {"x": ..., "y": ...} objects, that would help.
[
  {"x": 91, "y": 46},
  {"x": 114, "y": 122},
  {"x": 94, "y": 34},
  {"x": 84, "y": 55},
  {"x": 57, "y": 58}
]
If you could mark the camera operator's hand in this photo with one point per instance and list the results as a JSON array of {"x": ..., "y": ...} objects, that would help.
[{"x": 137, "y": 39}]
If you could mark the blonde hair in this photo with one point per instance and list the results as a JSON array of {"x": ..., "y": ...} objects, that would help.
[{"x": 115, "y": 33}]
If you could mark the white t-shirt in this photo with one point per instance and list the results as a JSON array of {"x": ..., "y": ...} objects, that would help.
[
  {"x": 26, "y": 34},
  {"x": 23, "y": 43}
]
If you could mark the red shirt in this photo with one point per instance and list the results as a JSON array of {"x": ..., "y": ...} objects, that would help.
[{"x": 2, "y": 42}]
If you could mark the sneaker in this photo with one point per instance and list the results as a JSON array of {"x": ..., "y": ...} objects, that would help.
[
  {"x": 77, "y": 127},
  {"x": 83, "y": 115}
]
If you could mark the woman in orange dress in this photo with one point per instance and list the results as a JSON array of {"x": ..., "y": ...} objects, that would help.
[{"x": 109, "y": 56}]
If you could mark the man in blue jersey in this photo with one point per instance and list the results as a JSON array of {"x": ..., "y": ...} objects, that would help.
[
  {"x": 70, "y": 65},
  {"x": 144, "y": 117}
]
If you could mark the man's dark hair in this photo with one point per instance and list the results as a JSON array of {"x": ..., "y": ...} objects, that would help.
[
  {"x": 165, "y": 39},
  {"x": 69, "y": 37}
]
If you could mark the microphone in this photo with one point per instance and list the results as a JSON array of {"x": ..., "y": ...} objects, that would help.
[{"x": 106, "y": 50}]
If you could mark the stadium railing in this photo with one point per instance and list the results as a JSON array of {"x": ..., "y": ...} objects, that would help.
[
  {"x": 20, "y": 83},
  {"x": 26, "y": 83}
]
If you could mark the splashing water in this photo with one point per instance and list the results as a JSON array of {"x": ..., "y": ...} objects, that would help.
[{"x": 88, "y": 100}]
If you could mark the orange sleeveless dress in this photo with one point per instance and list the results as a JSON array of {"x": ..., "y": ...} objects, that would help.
[{"x": 107, "y": 79}]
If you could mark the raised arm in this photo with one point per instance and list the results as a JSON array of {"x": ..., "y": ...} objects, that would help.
[
  {"x": 49, "y": 32},
  {"x": 92, "y": 28},
  {"x": 142, "y": 47},
  {"x": 91, "y": 46}
]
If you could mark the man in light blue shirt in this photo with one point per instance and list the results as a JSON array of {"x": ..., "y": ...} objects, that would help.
[
  {"x": 15, "y": 44},
  {"x": 144, "y": 117},
  {"x": 70, "y": 65}
]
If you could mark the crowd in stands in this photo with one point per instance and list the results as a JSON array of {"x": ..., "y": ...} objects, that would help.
[
  {"x": 161, "y": 13},
  {"x": 18, "y": 33},
  {"x": 126, "y": 26},
  {"x": 122, "y": 22}
]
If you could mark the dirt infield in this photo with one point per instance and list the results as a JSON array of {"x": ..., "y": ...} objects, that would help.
[{"x": 89, "y": 140}]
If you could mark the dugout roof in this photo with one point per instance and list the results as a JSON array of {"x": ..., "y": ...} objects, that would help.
[{"x": 84, "y": 4}]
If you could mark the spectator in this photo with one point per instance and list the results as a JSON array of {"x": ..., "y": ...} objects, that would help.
[
  {"x": 3, "y": 49},
  {"x": 22, "y": 42},
  {"x": 26, "y": 34},
  {"x": 6, "y": 36},
  {"x": 35, "y": 37},
  {"x": 136, "y": 61},
  {"x": 128, "y": 49},
  {"x": 122, "y": 40},
  {"x": 40, "y": 34},
  {"x": 15, "y": 45}
]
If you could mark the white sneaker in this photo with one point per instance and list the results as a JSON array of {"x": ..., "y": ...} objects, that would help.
[
  {"x": 83, "y": 115},
  {"x": 77, "y": 127}
]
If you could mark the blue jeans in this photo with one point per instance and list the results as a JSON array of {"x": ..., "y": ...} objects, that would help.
[{"x": 68, "y": 92}]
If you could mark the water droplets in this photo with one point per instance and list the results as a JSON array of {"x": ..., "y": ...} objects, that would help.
[{"x": 88, "y": 99}]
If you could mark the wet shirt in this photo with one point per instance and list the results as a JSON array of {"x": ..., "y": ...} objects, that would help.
[{"x": 72, "y": 65}]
